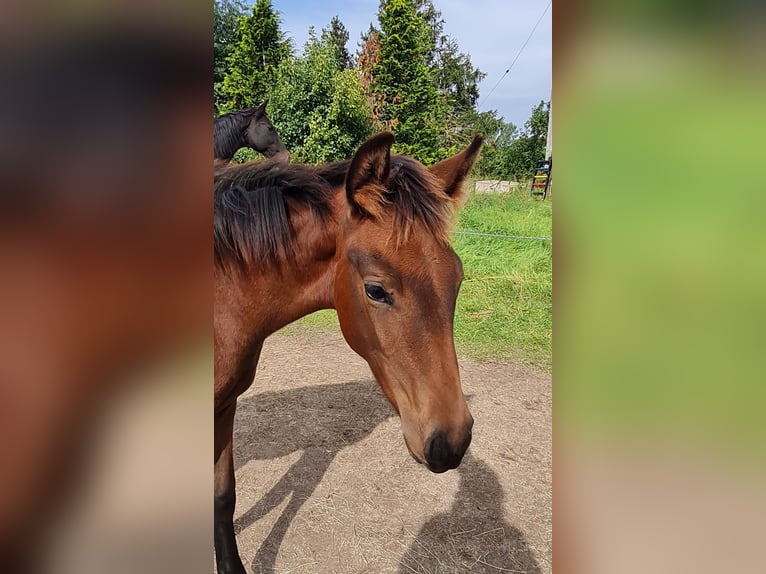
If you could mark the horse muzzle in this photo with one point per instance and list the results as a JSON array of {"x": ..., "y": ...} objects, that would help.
[
  {"x": 442, "y": 455},
  {"x": 280, "y": 156}
]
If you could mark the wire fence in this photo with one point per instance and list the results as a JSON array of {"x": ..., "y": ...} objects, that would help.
[{"x": 502, "y": 235}]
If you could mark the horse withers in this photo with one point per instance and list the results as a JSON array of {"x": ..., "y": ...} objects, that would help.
[
  {"x": 368, "y": 237},
  {"x": 247, "y": 128}
]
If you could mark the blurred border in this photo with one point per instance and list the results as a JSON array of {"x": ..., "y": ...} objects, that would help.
[
  {"x": 105, "y": 250},
  {"x": 659, "y": 286}
]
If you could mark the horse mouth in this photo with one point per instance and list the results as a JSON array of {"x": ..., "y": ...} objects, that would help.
[
  {"x": 438, "y": 469},
  {"x": 278, "y": 155},
  {"x": 414, "y": 456},
  {"x": 434, "y": 469}
]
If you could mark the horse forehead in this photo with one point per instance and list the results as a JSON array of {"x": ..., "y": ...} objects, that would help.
[
  {"x": 257, "y": 126},
  {"x": 421, "y": 254},
  {"x": 260, "y": 121},
  {"x": 429, "y": 261},
  {"x": 431, "y": 255},
  {"x": 442, "y": 266}
]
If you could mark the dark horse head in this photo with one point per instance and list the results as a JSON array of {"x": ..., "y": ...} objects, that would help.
[{"x": 247, "y": 128}]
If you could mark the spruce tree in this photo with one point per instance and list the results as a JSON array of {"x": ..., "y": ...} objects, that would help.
[
  {"x": 454, "y": 75},
  {"x": 253, "y": 63},
  {"x": 411, "y": 105},
  {"x": 337, "y": 37},
  {"x": 226, "y": 15}
]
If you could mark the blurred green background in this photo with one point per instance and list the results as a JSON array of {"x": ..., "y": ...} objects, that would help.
[{"x": 660, "y": 268}]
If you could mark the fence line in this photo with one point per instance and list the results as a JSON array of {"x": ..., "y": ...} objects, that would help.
[{"x": 503, "y": 235}]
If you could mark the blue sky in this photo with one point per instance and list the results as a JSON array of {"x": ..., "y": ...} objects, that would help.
[{"x": 491, "y": 31}]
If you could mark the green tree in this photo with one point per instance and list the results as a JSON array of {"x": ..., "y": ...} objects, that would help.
[
  {"x": 319, "y": 109},
  {"x": 226, "y": 14},
  {"x": 497, "y": 135},
  {"x": 456, "y": 77},
  {"x": 402, "y": 82},
  {"x": 336, "y": 36},
  {"x": 516, "y": 154},
  {"x": 254, "y": 60},
  {"x": 454, "y": 74},
  {"x": 537, "y": 125}
]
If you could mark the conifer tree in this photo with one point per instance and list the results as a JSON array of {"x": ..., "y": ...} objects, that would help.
[
  {"x": 226, "y": 14},
  {"x": 401, "y": 81},
  {"x": 253, "y": 63},
  {"x": 336, "y": 36}
]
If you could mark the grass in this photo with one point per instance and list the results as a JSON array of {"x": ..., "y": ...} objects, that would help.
[{"x": 505, "y": 305}]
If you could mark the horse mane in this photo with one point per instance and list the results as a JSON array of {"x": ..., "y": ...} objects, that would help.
[
  {"x": 252, "y": 212},
  {"x": 417, "y": 198},
  {"x": 252, "y": 204},
  {"x": 227, "y": 133}
]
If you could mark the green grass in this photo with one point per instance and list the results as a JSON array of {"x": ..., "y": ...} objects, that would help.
[{"x": 504, "y": 308}]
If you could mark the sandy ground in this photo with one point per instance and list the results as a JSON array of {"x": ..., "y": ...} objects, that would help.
[{"x": 325, "y": 483}]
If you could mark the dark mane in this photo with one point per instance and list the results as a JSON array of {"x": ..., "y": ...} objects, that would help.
[
  {"x": 228, "y": 132},
  {"x": 252, "y": 213},
  {"x": 418, "y": 199},
  {"x": 252, "y": 202}
]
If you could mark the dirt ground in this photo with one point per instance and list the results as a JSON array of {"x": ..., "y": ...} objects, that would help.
[{"x": 325, "y": 483}]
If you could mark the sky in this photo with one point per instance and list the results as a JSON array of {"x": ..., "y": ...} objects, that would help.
[{"x": 491, "y": 31}]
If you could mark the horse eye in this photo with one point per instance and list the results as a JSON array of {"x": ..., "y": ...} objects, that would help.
[{"x": 377, "y": 293}]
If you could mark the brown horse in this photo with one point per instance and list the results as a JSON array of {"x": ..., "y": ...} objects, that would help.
[
  {"x": 247, "y": 128},
  {"x": 368, "y": 237}
]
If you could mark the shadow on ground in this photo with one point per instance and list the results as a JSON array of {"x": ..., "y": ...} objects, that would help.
[
  {"x": 319, "y": 421},
  {"x": 473, "y": 536}
]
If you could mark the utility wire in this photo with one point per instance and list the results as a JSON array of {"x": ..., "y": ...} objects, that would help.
[{"x": 518, "y": 54}]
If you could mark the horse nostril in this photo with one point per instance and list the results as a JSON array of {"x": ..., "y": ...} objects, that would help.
[
  {"x": 439, "y": 454},
  {"x": 435, "y": 449}
]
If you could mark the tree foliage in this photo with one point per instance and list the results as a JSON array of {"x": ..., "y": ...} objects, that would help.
[
  {"x": 408, "y": 100},
  {"x": 513, "y": 155},
  {"x": 368, "y": 57},
  {"x": 254, "y": 59},
  {"x": 422, "y": 86},
  {"x": 454, "y": 74},
  {"x": 409, "y": 77},
  {"x": 319, "y": 108},
  {"x": 226, "y": 14},
  {"x": 497, "y": 133},
  {"x": 336, "y": 36}
]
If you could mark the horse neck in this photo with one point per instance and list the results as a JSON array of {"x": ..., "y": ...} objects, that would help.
[
  {"x": 306, "y": 284},
  {"x": 225, "y": 147}
]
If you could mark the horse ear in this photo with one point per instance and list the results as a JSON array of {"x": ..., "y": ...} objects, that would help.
[
  {"x": 369, "y": 170},
  {"x": 260, "y": 110},
  {"x": 453, "y": 170}
]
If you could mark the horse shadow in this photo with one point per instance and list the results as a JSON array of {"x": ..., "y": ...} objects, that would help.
[
  {"x": 319, "y": 421},
  {"x": 474, "y": 535}
]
